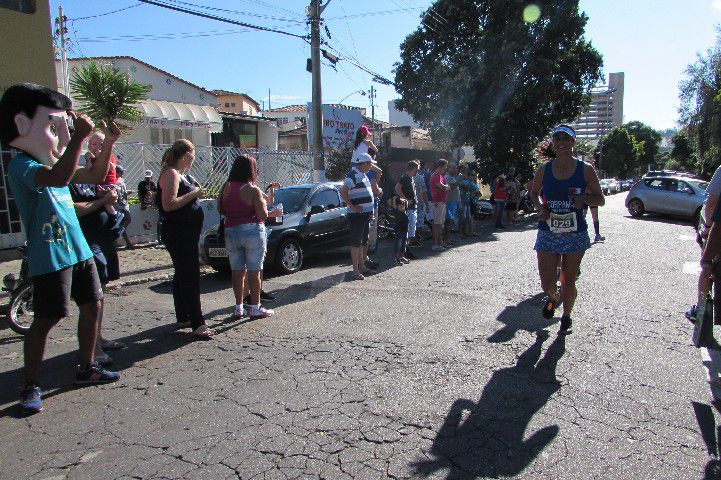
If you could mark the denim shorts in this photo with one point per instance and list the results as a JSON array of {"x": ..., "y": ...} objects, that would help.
[{"x": 246, "y": 245}]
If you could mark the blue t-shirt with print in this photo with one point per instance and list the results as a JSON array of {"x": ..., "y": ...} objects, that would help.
[
  {"x": 467, "y": 187},
  {"x": 55, "y": 240}
]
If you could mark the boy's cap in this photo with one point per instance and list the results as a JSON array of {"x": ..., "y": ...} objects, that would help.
[
  {"x": 362, "y": 158},
  {"x": 148, "y": 173}
]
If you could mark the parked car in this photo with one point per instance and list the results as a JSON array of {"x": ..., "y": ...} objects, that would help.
[
  {"x": 609, "y": 186},
  {"x": 678, "y": 196},
  {"x": 627, "y": 184},
  {"x": 315, "y": 219}
]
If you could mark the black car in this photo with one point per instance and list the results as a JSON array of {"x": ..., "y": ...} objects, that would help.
[{"x": 315, "y": 219}]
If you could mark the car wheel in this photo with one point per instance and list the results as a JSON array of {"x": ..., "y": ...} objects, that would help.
[
  {"x": 289, "y": 257},
  {"x": 635, "y": 208}
]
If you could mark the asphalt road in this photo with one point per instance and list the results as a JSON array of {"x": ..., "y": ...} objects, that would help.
[{"x": 443, "y": 368}]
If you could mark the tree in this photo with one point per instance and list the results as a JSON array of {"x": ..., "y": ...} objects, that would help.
[
  {"x": 107, "y": 94},
  {"x": 700, "y": 109},
  {"x": 475, "y": 73},
  {"x": 650, "y": 138},
  {"x": 619, "y": 153},
  {"x": 682, "y": 153},
  {"x": 337, "y": 161}
]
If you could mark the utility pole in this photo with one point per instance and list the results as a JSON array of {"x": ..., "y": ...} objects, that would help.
[
  {"x": 373, "y": 114},
  {"x": 269, "y": 107},
  {"x": 314, "y": 12},
  {"x": 60, "y": 30}
]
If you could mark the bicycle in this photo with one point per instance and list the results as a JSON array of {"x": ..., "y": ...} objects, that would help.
[{"x": 19, "y": 316}]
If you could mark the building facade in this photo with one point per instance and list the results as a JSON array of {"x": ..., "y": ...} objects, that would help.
[
  {"x": 400, "y": 117},
  {"x": 605, "y": 111},
  {"x": 175, "y": 108},
  {"x": 236, "y": 103}
]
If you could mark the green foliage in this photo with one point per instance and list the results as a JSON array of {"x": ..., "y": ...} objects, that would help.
[
  {"x": 619, "y": 153},
  {"x": 700, "y": 110},
  {"x": 490, "y": 80},
  {"x": 337, "y": 162},
  {"x": 651, "y": 140},
  {"x": 682, "y": 153},
  {"x": 107, "y": 94}
]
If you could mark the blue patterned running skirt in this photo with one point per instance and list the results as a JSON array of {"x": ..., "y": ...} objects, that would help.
[{"x": 577, "y": 242}]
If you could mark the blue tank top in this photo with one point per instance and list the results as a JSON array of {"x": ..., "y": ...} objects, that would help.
[{"x": 564, "y": 218}]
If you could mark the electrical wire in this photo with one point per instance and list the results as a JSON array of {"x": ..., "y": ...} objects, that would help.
[
  {"x": 237, "y": 12},
  {"x": 104, "y": 14},
  {"x": 161, "y": 36},
  {"x": 276, "y": 8},
  {"x": 222, "y": 19}
]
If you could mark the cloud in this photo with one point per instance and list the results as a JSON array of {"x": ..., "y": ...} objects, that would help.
[{"x": 716, "y": 4}]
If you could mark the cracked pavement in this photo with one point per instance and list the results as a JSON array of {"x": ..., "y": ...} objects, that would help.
[{"x": 441, "y": 369}]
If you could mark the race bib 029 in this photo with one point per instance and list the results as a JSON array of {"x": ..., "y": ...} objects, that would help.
[{"x": 563, "y": 222}]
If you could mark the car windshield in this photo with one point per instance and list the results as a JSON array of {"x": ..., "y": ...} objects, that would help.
[
  {"x": 604, "y": 182},
  {"x": 291, "y": 197},
  {"x": 700, "y": 185}
]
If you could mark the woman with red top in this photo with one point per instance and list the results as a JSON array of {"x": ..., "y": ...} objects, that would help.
[
  {"x": 500, "y": 195},
  {"x": 245, "y": 210},
  {"x": 115, "y": 218}
]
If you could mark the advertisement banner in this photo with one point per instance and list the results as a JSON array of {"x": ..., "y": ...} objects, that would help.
[{"x": 339, "y": 125}]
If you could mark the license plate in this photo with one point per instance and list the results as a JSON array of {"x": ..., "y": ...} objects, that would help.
[{"x": 217, "y": 252}]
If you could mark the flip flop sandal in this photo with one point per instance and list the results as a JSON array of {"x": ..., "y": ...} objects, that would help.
[
  {"x": 180, "y": 325},
  {"x": 203, "y": 331},
  {"x": 358, "y": 276}
]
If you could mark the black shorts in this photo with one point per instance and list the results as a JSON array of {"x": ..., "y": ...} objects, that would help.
[
  {"x": 359, "y": 228},
  {"x": 511, "y": 207},
  {"x": 52, "y": 291},
  {"x": 106, "y": 260}
]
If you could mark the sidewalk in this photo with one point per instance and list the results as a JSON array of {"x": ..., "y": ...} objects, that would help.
[{"x": 142, "y": 264}]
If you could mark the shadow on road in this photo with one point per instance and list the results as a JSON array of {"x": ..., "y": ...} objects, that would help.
[
  {"x": 486, "y": 439},
  {"x": 661, "y": 218},
  {"x": 58, "y": 373},
  {"x": 710, "y": 433},
  {"x": 524, "y": 316}
]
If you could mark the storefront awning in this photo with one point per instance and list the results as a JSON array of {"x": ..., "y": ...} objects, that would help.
[{"x": 162, "y": 114}]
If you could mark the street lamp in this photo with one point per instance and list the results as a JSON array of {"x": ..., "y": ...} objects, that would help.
[{"x": 362, "y": 92}]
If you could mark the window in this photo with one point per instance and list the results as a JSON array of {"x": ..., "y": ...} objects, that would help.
[
  {"x": 166, "y": 136},
  {"x": 232, "y": 104},
  {"x": 177, "y": 134},
  {"x": 227, "y": 104},
  {"x": 154, "y": 135},
  {"x": 656, "y": 183},
  {"x": 326, "y": 198}
]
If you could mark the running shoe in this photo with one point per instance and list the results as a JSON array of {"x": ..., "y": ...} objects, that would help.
[
  {"x": 566, "y": 324},
  {"x": 31, "y": 400},
  {"x": 599, "y": 238},
  {"x": 94, "y": 374},
  {"x": 405, "y": 260},
  {"x": 259, "y": 312},
  {"x": 549, "y": 309},
  {"x": 103, "y": 359},
  {"x": 398, "y": 262},
  {"x": 240, "y": 312}
]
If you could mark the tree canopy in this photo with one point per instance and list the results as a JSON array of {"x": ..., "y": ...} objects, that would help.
[
  {"x": 700, "y": 110},
  {"x": 651, "y": 140},
  {"x": 475, "y": 73},
  {"x": 619, "y": 153}
]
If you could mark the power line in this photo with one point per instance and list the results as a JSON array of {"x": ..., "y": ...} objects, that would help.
[
  {"x": 160, "y": 36},
  {"x": 372, "y": 14},
  {"x": 237, "y": 12},
  {"x": 274, "y": 7},
  {"x": 104, "y": 14},
  {"x": 222, "y": 19}
]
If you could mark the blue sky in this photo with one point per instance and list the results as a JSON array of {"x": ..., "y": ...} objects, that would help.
[{"x": 652, "y": 41}]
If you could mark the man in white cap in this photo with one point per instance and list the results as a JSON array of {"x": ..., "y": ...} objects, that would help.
[
  {"x": 146, "y": 190},
  {"x": 358, "y": 195}
]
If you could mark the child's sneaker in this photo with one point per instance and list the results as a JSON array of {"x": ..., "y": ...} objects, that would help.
[
  {"x": 94, "y": 374},
  {"x": 31, "y": 400},
  {"x": 259, "y": 312},
  {"x": 405, "y": 260},
  {"x": 115, "y": 221}
]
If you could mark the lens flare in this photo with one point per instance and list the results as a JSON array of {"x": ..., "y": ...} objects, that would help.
[{"x": 531, "y": 13}]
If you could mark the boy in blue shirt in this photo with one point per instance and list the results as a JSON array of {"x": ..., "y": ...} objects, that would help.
[{"x": 36, "y": 121}]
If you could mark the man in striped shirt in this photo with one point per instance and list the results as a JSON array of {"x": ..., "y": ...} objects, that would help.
[{"x": 358, "y": 195}]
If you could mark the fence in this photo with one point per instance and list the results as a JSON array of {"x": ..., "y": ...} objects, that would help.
[{"x": 212, "y": 164}]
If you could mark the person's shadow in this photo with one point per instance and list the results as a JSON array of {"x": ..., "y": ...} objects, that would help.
[
  {"x": 524, "y": 316},
  {"x": 486, "y": 439}
]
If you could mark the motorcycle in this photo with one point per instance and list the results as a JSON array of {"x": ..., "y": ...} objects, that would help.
[
  {"x": 19, "y": 316},
  {"x": 526, "y": 205}
]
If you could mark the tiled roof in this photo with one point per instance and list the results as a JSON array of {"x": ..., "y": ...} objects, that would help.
[
  {"x": 127, "y": 57},
  {"x": 303, "y": 108},
  {"x": 218, "y": 93}
]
